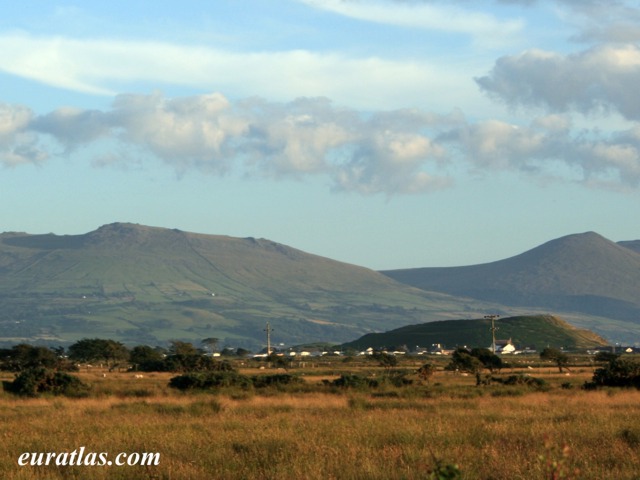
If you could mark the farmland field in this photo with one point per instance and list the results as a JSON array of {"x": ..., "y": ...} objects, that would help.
[{"x": 316, "y": 430}]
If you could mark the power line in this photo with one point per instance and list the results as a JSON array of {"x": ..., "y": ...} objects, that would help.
[
  {"x": 268, "y": 330},
  {"x": 493, "y": 330}
]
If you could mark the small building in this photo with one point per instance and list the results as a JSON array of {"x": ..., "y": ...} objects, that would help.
[{"x": 505, "y": 346}]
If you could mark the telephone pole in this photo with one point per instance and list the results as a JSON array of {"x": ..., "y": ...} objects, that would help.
[
  {"x": 268, "y": 330},
  {"x": 493, "y": 331}
]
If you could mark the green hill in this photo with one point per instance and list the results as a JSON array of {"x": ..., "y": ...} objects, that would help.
[
  {"x": 537, "y": 331},
  {"x": 582, "y": 275},
  {"x": 141, "y": 284}
]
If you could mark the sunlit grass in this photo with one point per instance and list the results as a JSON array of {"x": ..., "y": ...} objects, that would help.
[{"x": 325, "y": 433}]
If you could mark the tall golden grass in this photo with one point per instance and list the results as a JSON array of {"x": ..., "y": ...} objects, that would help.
[{"x": 490, "y": 432}]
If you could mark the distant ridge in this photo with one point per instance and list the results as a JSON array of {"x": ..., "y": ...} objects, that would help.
[
  {"x": 538, "y": 331},
  {"x": 631, "y": 245},
  {"x": 582, "y": 273},
  {"x": 142, "y": 284}
]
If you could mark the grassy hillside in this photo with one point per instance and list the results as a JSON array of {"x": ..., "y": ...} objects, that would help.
[
  {"x": 537, "y": 331},
  {"x": 148, "y": 285},
  {"x": 585, "y": 274}
]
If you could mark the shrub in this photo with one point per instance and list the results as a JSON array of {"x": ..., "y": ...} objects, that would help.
[
  {"x": 354, "y": 381},
  {"x": 620, "y": 372},
  {"x": 189, "y": 363},
  {"x": 35, "y": 381},
  {"x": 209, "y": 380},
  {"x": 260, "y": 381},
  {"x": 397, "y": 379},
  {"x": 534, "y": 382}
]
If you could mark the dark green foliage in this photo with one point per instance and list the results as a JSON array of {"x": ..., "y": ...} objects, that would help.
[
  {"x": 556, "y": 356},
  {"x": 146, "y": 358},
  {"x": 213, "y": 380},
  {"x": 355, "y": 381},
  {"x": 385, "y": 359},
  {"x": 397, "y": 379},
  {"x": 489, "y": 360},
  {"x": 39, "y": 380},
  {"x": 426, "y": 371},
  {"x": 260, "y": 381},
  {"x": 23, "y": 356},
  {"x": 534, "y": 382},
  {"x": 631, "y": 437},
  {"x": 182, "y": 348},
  {"x": 605, "y": 357},
  {"x": 99, "y": 350},
  {"x": 194, "y": 363},
  {"x": 463, "y": 361},
  {"x": 620, "y": 372},
  {"x": 444, "y": 471},
  {"x": 209, "y": 380}
]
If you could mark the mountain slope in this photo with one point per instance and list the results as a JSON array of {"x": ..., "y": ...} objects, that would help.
[
  {"x": 538, "y": 331},
  {"x": 147, "y": 285},
  {"x": 584, "y": 273},
  {"x": 631, "y": 245}
]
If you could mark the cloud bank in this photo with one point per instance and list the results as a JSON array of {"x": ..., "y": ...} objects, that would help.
[
  {"x": 390, "y": 153},
  {"x": 102, "y": 66},
  {"x": 601, "y": 79}
]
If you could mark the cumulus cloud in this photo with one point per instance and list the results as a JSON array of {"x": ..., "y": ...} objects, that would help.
[
  {"x": 17, "y": 144},
  {"x": 390, "y": 153},
  {"x": 611, "y": 161},
  {"x": 600, "y": 79}
]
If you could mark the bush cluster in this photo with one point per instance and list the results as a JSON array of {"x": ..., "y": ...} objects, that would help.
[
  {"x": 213, "y": 380},
  {"x": 619, "y": 372},
  {"x": 396, "y": 379},
  {"x": 38, "y": 380},
  {"x": 526, "y": 380}
]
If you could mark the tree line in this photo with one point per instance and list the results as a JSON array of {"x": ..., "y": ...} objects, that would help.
[{"x": 178, "y": 357}]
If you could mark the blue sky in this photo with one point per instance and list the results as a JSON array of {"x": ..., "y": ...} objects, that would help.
[{"x": 384, "y": 133}]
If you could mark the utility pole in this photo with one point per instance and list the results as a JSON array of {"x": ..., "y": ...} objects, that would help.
[
  {"x": 268, "y": 330},
  {"x": 493, "y": 331}
]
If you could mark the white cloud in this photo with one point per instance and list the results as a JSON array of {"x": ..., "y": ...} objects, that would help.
[
  {"x": 485, "y": 29},
  {"x": 18, "y": 145},
  {"x": 611, "y": 161},
  {"x": 600, "y": 79},
  {"x": 395, "y": 152},
  {"x": 387, "y": 153},
  {"x": 102, "y": 66}
]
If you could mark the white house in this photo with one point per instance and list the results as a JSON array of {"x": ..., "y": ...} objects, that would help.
[{"x": 504, "y": 346}]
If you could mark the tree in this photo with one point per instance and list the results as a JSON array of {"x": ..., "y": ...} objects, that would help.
[
  {"x": 463, "y": 361},
  {"x": 182, "y": 348},
  {"x": 34, "y": 381},
  {"x": 426, "y": 371},
  {"x": 560, "y": 358},
  {"x": 605, "y": 357},
  {"x": 210, "y": 343},
  {"x": 489, "y": 360},
  {"x": 23, "y": 356},
  {"x": 98, "y": 350},
  {"x": 620, "y": 372},
  {"x": 146, "y": 358}
]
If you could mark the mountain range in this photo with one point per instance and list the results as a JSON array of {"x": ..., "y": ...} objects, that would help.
[
  {"x": 140, "y": 284},
  {"x": 585, "y": 276}
]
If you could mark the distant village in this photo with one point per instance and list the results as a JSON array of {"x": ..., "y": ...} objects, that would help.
[{"x": 502, "y": 347}]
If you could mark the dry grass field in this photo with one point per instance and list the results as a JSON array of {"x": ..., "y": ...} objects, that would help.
[{"x": 315, "y": 431}]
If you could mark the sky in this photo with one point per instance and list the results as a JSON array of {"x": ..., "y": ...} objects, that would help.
[{"x": 382, "y": 133}]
